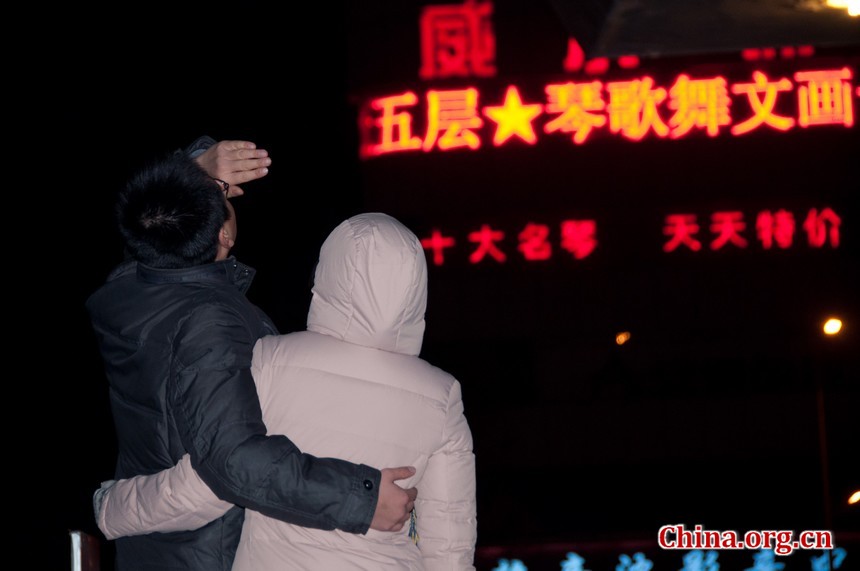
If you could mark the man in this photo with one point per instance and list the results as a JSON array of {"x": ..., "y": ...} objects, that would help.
[{"x": 176, "y": 334}]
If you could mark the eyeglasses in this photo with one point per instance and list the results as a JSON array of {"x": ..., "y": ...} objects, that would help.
[{"x": 225, "y": 186}]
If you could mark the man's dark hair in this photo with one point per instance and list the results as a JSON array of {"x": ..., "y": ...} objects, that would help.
[{"x": 170, "y": 214}]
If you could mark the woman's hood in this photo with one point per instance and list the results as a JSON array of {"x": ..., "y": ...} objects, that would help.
[{"x": 370, "y": 285}]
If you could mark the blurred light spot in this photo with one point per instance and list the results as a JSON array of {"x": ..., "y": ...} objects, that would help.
[
  {"x": 628, "y": 62},
  {"x": 597, "y": 66},
  {"x": 622, "y": 337},
  {"x": 787, "y": 52},
  {"x": 832, "y": 326},
  {"x": 852, "y": 6},
  {"x": 751, "y": 54},
  {"x": 855, "y": 497}
]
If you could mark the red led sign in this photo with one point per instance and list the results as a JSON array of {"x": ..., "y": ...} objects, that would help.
[
  {"x": 457, "y": 40},
  {"x": 773, "y": 229},
  {"x": 632, "y": 109}
]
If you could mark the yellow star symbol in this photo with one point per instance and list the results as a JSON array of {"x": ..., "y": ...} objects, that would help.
[{"x": 514, "y": 118}]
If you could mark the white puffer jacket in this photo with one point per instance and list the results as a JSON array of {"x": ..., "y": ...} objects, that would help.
[{"x": 350, "y": 387}]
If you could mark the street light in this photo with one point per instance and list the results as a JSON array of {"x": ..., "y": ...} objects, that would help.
[
  {"x": 831, "y": 328},
  {"x": 851, "y": 6}
]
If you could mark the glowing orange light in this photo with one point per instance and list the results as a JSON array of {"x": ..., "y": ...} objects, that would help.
[
  {"x": 850, "y": 6},
  {"x": 855, "y": 497},
  {"x": 514, "y": 118},
  {"x": 622, "y": 338},
  {"x": 832, "y": 326}
]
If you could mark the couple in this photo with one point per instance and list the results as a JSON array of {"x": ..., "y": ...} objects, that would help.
[{"x": 351, "y": 391}]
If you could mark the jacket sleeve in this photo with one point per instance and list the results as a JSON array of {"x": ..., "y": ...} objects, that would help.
[
  {"x": 198, "y": 146},
  {"x": 446, "y": 504},
  {"x": 217, "y": 413},
  {"x": 174, "y": 499}
]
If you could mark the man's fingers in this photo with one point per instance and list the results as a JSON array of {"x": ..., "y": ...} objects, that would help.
[
  {"x": 236, "y": 145},
  {"x": 395, "y": 503},
  {"x": 246, "y": 154},
  {"x": 234, "y": 191},
  {"x": 241, "y": 156},
  {"x": 402, "y": 472},
  {"x": 251, "y": 164},
  {"x": 246, "y": 175}
]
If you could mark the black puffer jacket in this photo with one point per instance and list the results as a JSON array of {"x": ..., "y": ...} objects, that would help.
[{"x": 177, "y": 348}]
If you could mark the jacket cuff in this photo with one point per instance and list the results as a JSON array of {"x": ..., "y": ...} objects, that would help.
[
  {"x": 100, "y": 499},
  {"x": 199, "y": 146},
  {"x": 360, "y": 505}
]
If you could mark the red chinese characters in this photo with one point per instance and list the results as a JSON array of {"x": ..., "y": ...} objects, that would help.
[
  {"x": 727, "y": 228},
  {"x": 775, "y": 229},
  {"x": 459, "y": 119},
  {"x": 822, "y": 228},
  {"x": 824, "y": 97},
  {"x": 577, "y": 239},
  {"x": 772, "y": 229},
  {"x": 486, "y": 239},
  {"x": 534, "y": 242},
  {"x": 457, "y": 40},
  {"x": 454, "y": 114},
  {"x": 699, "y": 103},
  {"x": 436, "y": 244},
  {"x": 762, "y": 96},
  {"x": 579, "y": 107}
]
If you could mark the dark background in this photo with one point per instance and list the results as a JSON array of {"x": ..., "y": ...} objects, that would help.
[{"x": 707, "y": 417}]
